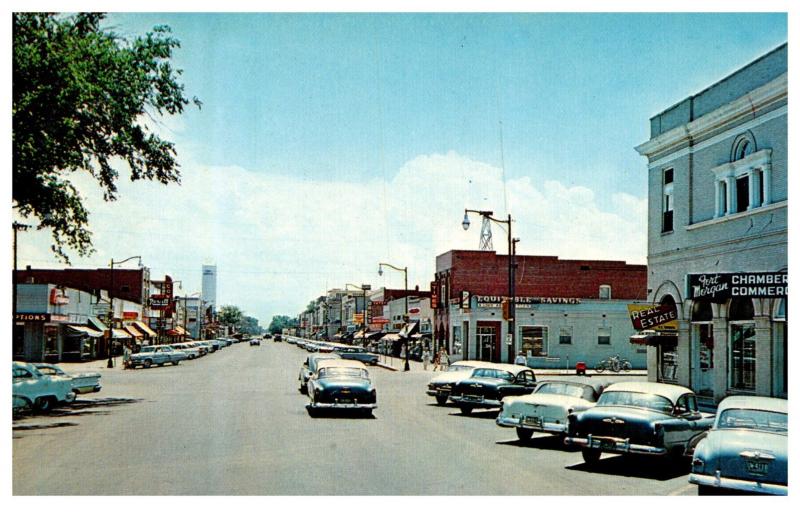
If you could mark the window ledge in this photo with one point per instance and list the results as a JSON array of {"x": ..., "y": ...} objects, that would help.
[
  {"x": 734, "y": 216},
  {"x": 667, "y": 232}
]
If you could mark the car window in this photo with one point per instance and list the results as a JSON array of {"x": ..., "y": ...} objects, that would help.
[
  {"x": 342, "y": 372},
  {"x": 634, "y": 399},
  {"x": 561, "y": 388},
  {"x": 754, "y": 419},
  {"x": 21, "y": 373},
  {"x": 47, "y": 371},
  {"x": 491, "y": 373}
]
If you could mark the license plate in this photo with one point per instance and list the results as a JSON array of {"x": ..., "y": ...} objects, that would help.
[
  {"x": 607, "y": 444},
  {"x": 473, "y": 398},
  {"x": 757, "y": 467},
  {"x": 533, "y": 421}
]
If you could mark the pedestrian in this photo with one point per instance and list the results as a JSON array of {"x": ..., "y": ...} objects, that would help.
[
  {"x": 521, "y": 359},
  {"x": 126, "y": 356},
  {"x": 436, "y": 361},
  {"x": 426, "y": 358},
  {"x": 444, "y": 360}
]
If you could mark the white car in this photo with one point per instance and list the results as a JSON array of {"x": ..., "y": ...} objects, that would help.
[
  {"x": 441, "y": 385},
  {"x": 81, "y": 382},
  {"x": 191, "y": 352},
  {"x": 41, "y": 392},
  {"x": 547, "y": 408}
]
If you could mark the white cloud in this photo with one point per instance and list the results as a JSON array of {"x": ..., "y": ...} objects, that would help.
[{"x": 279, "y": 241}]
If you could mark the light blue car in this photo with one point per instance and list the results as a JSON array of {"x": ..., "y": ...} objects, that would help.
[{"x": 746, "y": 451}]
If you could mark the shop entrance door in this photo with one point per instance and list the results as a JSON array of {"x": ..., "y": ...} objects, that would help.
[
  {"x": 486, "y": 337},
  {"x": 703, "y": 359}
]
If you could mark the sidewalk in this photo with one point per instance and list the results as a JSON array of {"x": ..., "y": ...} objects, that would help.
[{"x": 397, "y": 364}]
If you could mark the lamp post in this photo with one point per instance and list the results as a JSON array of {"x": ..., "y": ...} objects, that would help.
[
  {"x": 511, "y": 292},
  {"x": 363, "y": 288},
  {"x": 404, "y": 270},
  {"x": 110, "y": 330}
]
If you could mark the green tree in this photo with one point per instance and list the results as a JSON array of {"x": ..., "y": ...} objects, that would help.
[
  {"x": 230, "y": 315},
  {"x": 81, "y": 99},
  {"x": 249, "y": 325},
  {"x": 280, "y": 322}
]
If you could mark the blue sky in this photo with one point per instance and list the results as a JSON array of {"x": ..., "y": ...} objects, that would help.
[{"x": 327, "y": 142}]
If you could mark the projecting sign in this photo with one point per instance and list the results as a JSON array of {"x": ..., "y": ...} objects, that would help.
[
  {"x": 657, "y": 317},
  {"x": 465, "y": 297},
  {"x": 32, "y": 317},
  {"x": 159, "y": 301},
  {"x": 720, "y": 287}
]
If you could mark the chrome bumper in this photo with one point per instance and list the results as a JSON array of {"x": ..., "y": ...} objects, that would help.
[
  {"x": 459, "y": 399},
  {"x": 738, "y": 485},
  {"x": 437, "y": 392},
  {"x": 319, "y": 405},
  {"x": 548, "y": 427},
  {"x": 613, "y": 445}
]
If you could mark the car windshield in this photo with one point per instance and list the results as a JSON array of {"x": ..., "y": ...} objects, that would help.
[
  {"x": 148, "y": 349},
  {"x": 490, "y": 373},
  {"x": 634, "y": 399},
  {"x": 754, "y": 419},
  {"x": 561, "y": 388},
  {"x": 342, "y": 373}
]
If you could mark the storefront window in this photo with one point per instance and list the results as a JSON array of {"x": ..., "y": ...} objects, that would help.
[
  {"x": 743, "y": 357},
  {"x": 50, "y": 341},
  {"x": 457, "y": 343},
  {"x": 534, "y": 340},
  {"x": 668, "y": 360},
  {"x": 565, "y": 335}
]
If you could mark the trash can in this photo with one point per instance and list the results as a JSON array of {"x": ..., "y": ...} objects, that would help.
[{"x": 580, "y": 368}]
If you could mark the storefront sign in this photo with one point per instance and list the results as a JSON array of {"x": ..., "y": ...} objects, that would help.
[
  {"x": 32, "y": 317},
  {"x": 159, "y": 301},
  {"x": 380, "y": 320},
  {"x": 413, "y": 311},
  {"x": 58, "y": 297},
  {"x": 661, "y": 317},
  {"x": 720, "y": 287},
  {"x": 130, "y": 315},
  {"x": 495, "y": 300},
  {"x": 465, "y": 299}
]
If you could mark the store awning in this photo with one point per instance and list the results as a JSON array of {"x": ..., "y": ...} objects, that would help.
[
  {"x": 409, "y": 329},
  {"x": 373, "y": 335},
  {"x": 134, "y": 331},
  {"x": 654, "y": 338},
  {"x": 97, "y": 324},
  {"x": 391, "y": 337},
  {"x": 144, "y": 328},
  {"x": 121, "y": 334},
  {"x": 86, "y": 330}
]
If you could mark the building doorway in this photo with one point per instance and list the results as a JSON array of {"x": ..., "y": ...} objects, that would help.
[
  {"x": 702, "y": 361},
  {"x": 486, "y": 337},
  {"x": 742, "y": 348}
]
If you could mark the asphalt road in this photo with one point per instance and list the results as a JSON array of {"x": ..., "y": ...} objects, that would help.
[{"x": 234, "y": 423}]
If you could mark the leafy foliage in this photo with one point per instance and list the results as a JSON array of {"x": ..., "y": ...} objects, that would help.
[
  {"x": 280, "y": 322},
  {"x": 81, "y": 96},
  {"x": 230, "y": 315}
]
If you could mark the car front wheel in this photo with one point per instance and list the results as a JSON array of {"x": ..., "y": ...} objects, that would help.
[
  {"x": 147, "y": 363},
  {"x": 175, "y": 363},
  {"x": 441, "y": 399},
  {"x": 465, "y": 409},
  {"x": 524, "y": 434},
  {"x": 45, "y": 403},
  {"x": 591, "y": 455}
]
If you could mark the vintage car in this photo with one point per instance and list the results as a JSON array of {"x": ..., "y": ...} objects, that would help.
[
  {"x": 639, "y": 417},
  {"x": 549, "y": 406},
  {"x": 191, "y": 352},
  {"x": 213, "y": 345},
  {"x": 87, "y": 382},
  {"x": 277, "y": 337},
  {"x": 746, "y": 451},
  {"x": 309, "y": 367},
  {"x": 441, "y": 385},
  {"x": 487, "y": 386},
  {"x": 341, "y": 384},
  {"x": 355, "y": 353},
  {"x": 157, "y": 354},
  {"x": 42, "y": 392},
  {"x": 255, "y": 341}
]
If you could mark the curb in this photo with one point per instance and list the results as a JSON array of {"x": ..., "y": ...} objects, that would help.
[{"x": 386, "y": 366}]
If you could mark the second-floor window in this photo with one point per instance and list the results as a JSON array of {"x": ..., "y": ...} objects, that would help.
[{"x": 667, "y": 201}]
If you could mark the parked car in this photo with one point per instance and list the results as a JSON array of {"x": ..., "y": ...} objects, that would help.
[
  {"x": 277, "y": 337},
  {"x": 341, "y": 384},
  {"x": 548, "y": 407},
  {"x": 487, "y": 386},
  {"x": 87, "y": 382},
  {"x": 746, "y": 451},
  {"x": 356, "y": 354},
  {"x": 639, "y": 417},
  {"x": 214, "y": 345},
  {"x": 157, "y": 354},
  {"x": 310, "y": 367},
  {"x": 191, "y": 352},
  {"x": 31, "y": 388},
  {"x": 441, "y": 385},
  {"x": 255, "y": 341}
]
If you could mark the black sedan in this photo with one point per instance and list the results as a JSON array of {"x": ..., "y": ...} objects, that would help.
[
  {"x": 486, "y": 387},
  {"x": 339, "y": 384}
]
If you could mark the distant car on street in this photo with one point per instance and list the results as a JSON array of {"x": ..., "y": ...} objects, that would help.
[
  {"x": 487, "y": 386},
  {"x": 647, "y": 418},
  {"x": 356, "y": 354},
  {"x": 310, "y": 367},
  {"x": 191, "y": 352},
  {"x": 31, "y": 388},
  {"x": 255, "y": 341},
  {"x": 339, "y": 384},
  {"x": 441, "y": 385},
  {"x": 88, "y": 382},
  {"x": 277, "y": 337},
  {"x": 547, "y": 408},
  {"x": 747, "y": 449}
]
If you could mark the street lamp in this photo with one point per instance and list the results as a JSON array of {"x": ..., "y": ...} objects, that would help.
[
  {"x": 364, "y": 288},
  {"x": 404, "y": 270},
  {"x": 511, "y": 265},
  {"x": 110, "y": 330}
]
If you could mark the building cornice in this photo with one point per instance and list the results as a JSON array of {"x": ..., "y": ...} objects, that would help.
[{"x": 748, "y": 105}]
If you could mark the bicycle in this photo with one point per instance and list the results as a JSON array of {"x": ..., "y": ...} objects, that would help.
[{"x": 614, "y": 364}]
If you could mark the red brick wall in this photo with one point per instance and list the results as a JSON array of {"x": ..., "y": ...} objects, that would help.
[{"x": 127, "y": 283}]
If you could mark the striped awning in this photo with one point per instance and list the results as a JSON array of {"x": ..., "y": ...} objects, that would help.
[
  {"x": 120, "y": 334},
  {"x": 134, "y": 331},
  {"x": 144, "y": 328},
  {"x": 391, "y": 337},
  {"x": 86, "y": 330}
]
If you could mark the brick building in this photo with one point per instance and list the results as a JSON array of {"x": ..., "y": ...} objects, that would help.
[{"x": 566, "y": 310}]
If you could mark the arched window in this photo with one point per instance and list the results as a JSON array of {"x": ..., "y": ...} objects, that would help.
[
  {"x": 743, "y": 145},
  {"x": 701, "y": 311},
  {"x": 741, "y": 309}
]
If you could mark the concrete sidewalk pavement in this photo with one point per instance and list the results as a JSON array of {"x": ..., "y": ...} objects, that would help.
[{"x": 397, "y": 364}]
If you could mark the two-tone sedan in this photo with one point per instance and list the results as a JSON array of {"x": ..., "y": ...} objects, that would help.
[
  {"x": 310, "y": 367},
  {"x": 441, "y": 385},
  {"x": 647, "y": 418},
  {"x": 547, "y": 409},
  {"x": 487, "y": 386},
  {"x": 341, "y": 384},
  {"x": 746, "y": 451}
]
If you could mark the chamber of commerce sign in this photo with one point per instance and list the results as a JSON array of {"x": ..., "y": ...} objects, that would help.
[
  {"x": 495, "y": 300},
  {"x": 720, "y": 287}
]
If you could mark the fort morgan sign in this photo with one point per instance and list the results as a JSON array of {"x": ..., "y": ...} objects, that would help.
[{"x": 720, "y": 287}]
